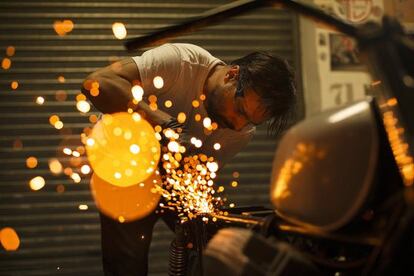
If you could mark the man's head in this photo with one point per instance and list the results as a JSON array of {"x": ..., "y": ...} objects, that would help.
[{"x": 251, "y": 90}]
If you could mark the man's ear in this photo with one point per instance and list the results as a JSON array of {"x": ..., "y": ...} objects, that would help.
[{"x": 232, "y": 73}]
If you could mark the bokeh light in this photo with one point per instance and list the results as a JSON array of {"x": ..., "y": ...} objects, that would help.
[
  {"x": 9, "y": 239},
  {"x": 37, "y": 183},
  {"x": 6, "y": 63},
  {"x": 216, "y": 146},
  {"x": 55, "y": 166},
  {"x": 109, "y": 149},
  {"x": 62, "y": 27},
  {"x": 158, "y": 82},
  {"x": 40, "y": 100},
  {"x": 10, "y": 51},
  {"x": 119, "y": 30},
  {"x": 31, "y": 162},
  {"x": 137, "y": 92},
  {"x": 14, "y": 85},
  {"x": 126, "y": 203},
  {"x": 83, "y": 106}
]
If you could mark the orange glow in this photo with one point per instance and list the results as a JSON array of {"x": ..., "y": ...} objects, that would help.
[
  {"x": 6, "y": 63},
  {"x": 109, "y": 149},
  {"x": 197, "y": 117},
  {"x": 61, "y": 79},
  {"x": 93, "y": 118},
  {"x": 234, "y": 184},
  {"x": 195, "y": 103},
  {"x": 236, "y": 174},
  {"x": 61, "y": 96},
  {"x": 80, "y": 97},
  {"x": 130, "y": 203},
  {"x": 37, "y": 183},
  {"x": 399, "y": 147},
  {"x": 60, "y": 188},
  {"x": 40, "y": 100},
  {"x": 392, "y": 102},
  {"x": 31, "y": 162},
  {"x": 9, "y": 239},
  {"x": 10, "y": 51},
  {"x": 158, "y": 82},
  {"x": 55, "y": 166},
  {"x": 202, "y": 97},
  {"x": 119, "y": 30},
  {"x": 152, "y": 99},
  {"x": 54, "y": 119},
  {"x": 14, "y": 85},
  {"x": 62, "y": 27},
  {"x": 181, "y": 117},
  {"x": 153, "y": 106}
]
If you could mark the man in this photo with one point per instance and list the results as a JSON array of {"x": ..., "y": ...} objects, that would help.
[{"x": 239, "y": 96}]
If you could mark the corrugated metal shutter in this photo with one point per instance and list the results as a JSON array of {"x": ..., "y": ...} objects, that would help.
[{"x": 57, "y": 237}]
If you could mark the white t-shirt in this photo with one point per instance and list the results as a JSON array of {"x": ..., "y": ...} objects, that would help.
[{"x": 184, "y": 69}]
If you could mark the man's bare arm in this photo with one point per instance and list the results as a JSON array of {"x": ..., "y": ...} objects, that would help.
[{"x": 115, "y": 83}]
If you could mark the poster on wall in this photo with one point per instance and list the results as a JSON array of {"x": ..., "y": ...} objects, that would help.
[
  {"x": 354, "y": 11},
  {"x": 344, "y": 53}
]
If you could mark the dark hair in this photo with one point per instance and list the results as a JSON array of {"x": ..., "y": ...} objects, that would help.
[{"x": 273, "y": 79}]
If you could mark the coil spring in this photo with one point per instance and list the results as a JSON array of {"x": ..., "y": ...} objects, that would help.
[{"x": 177, "y": 260}]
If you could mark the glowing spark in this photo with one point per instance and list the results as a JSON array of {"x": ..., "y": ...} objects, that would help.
[
  {"x": 119, "y": 30},
  {"x": 76, "y": 177},
  {"x": 9, "y": 239},
  {"x": 134, "y": 149},
  {"x": 75, "y": 153},
  {"x": 61, "y": 79},
  {"x": 207, "y": 122},
  {"x": 202, "y": 97},
  {"x": 58, "y": 125},
  {"x": 55, "y": 166},
  {"x": 197, "y": 117},
  {"x": 31, "y": 162},
  {"x": 40, "y": 100},
  {"x": 90, "y": 142},
  {"x": 234, "y": 184},
  {"x": 196, "y": 103},
  {"x": 158, "y": 82},
  {"x": 6, "y": 63},
  {"x": 83, "y": 207},
  {"x": 83, "y": 106},
  {"x": 217, "y": 146},
  {"x": 168, "y": 103},
  {"x": 37, "y": 183},
  {"x": 14, "y": 85},
  {"x": 118, "y": 175},
  {"x": 231, "y": 205},
  {"x": 198, "y": 144},
  {"x": 63, "y": 27},
  {"x": 67, "y": 151},
  {"x": 137, "y": 92},
  {"x": 10, "y": 51},
  {"x": 173, "y": 146},
  {"x": 212, "y": 166},
  {"x": 181, "y": 117}
]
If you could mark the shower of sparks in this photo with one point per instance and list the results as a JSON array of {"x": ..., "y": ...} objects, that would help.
[{"x": 188, "y": 181}]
